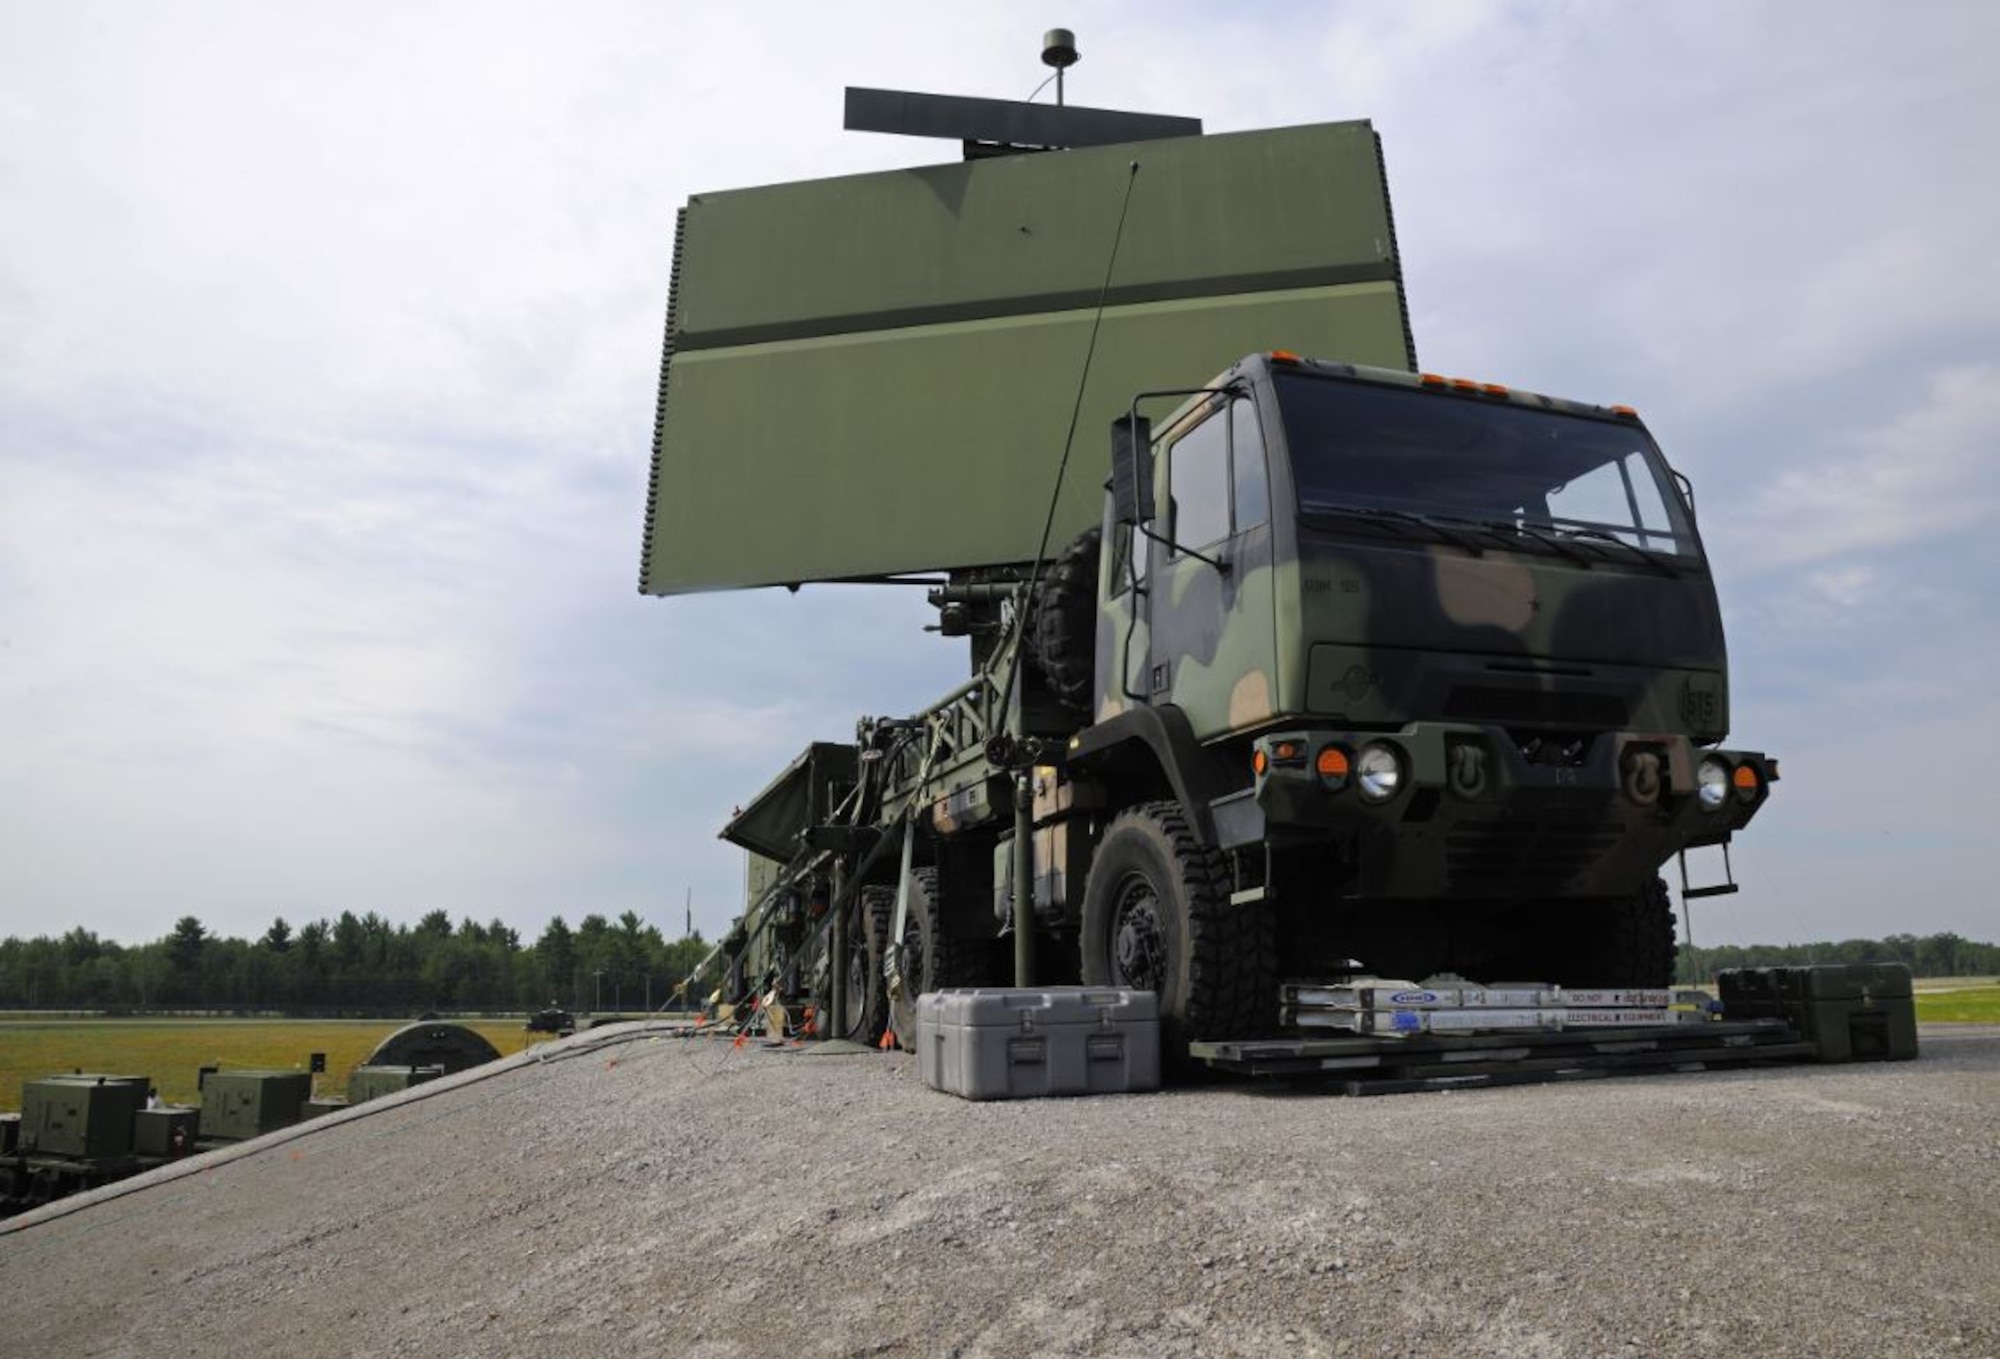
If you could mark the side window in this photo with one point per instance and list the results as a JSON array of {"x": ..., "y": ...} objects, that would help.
[
  {"x": 1620, "y": 496},
  {"x": 1646, "y": 496},
  {"x": 1198, "y": 484},
  {"x": 1246, "y": 464},
  {"x": 1595, "y": 497}
]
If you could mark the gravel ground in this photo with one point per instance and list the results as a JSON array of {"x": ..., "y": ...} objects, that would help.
[{"x": 675, "y": 1196}]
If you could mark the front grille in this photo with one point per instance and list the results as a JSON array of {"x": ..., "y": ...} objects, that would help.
[
  {"x": 1523, "y": 854},
  {"x": 1537, "y": 707}
]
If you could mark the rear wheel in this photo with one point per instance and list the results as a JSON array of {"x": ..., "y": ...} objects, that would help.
[
  {"x": 1157, "y": 917},
  {"x": 932, "y": 960},
  {"x": 866, "y": 998}
]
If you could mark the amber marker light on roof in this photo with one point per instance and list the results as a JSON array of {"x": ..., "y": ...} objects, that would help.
[
  {"x": 1464, "y": 385},
  {"x": 1626, "y": 411},
  {"x": 1431, "y": 380},
  {"x": 1283, "y": 356},
  {"x": 1493, "y": 389}
]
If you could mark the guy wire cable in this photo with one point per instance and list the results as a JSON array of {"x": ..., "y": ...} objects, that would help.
[{"x": 1069, "y": 441}]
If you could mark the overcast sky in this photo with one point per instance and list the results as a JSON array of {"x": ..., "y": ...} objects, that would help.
[{"x": 329, "y": 336}]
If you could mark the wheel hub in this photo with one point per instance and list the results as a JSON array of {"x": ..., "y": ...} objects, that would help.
[{"x": 1138, "y": 950}]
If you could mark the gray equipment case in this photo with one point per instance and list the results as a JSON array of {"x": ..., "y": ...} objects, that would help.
[{"x": 1019, "y": 1043}]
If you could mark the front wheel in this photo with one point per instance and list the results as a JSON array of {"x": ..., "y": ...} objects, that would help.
[
  {"x": 1157, "y": 917},
  {"x": 1624, "y": 942}
]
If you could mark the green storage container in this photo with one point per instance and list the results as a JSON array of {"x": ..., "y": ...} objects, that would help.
[
  {"x": 81, "y": 1115},
  {"x": 1749, "y": 993},
  {"x": 168, "y": 1130},
  {"x": 373, "y": 1082},
  {"x": 1851, "y": 1012},
  {"x": 236, "y": 1105}
]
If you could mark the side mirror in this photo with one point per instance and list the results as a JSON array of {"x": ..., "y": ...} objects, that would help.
[{"x": 1131, "y": 469}]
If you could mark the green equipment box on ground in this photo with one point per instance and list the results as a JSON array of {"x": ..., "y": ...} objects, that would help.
[
  {"x": 236, "y": 1105},
  {"x": 166, "y": 1130},
  {"x": 373, "y": 1082},
  {"x": 1849, "y": 1012},
  {"x": 81, "y": 1115}
]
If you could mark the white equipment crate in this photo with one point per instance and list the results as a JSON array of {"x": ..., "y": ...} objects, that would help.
[{"x": 994, "y": 1042}]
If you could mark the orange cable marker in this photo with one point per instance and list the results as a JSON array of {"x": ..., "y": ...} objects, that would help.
[{"x": 888, "y": 1040}]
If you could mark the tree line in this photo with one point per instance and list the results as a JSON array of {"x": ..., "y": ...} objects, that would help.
[
  {"x": 367, "y": 965},
  {"x": 1929, "y": 955},
  {"x": 362, "y": 965}
]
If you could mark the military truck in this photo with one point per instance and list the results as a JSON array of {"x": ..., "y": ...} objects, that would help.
[{"x": 1320, "y": 664}]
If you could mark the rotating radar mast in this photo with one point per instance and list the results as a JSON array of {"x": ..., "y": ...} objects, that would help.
[{"x": 1059, "y": 51}]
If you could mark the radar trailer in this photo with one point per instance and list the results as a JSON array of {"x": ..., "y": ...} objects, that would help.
[{"x": 1317, "y": 666}]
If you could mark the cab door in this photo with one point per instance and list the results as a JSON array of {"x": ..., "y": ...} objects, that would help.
[{"x": 1210, "y": 600}]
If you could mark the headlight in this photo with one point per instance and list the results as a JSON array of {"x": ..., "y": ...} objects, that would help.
[
  {"x": 1712, "y": 783},
  {"x": 1379, "y": 772}
]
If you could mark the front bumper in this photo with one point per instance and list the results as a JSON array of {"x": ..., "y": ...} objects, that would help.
[{"x": 1471, "y": 814}]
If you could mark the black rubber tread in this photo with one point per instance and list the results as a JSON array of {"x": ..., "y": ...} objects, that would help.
[
  {"x": 1223, "y": 958},
  {"x": 1064, "y": 636},
  {"x": 1627, "y": 941},
  {"x": 920, "y": 954},
  {"x": 941, "y": 962},
  {"x": 877, "y": 904}
]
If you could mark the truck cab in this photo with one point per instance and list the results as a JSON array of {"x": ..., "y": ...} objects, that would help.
[{"x": 1435, "y": 667}]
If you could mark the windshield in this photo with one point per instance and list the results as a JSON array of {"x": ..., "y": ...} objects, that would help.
[{"x": 1546, "y": 475}]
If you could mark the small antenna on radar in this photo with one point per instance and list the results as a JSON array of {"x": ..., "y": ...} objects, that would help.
[{"x": 1059, "y": 51}]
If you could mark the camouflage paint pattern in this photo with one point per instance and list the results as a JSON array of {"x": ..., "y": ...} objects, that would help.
[{"x": 1450, "y": 648}]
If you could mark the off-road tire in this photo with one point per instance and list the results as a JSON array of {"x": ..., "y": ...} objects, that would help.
[
  {"x": 932, "y": 959},
  {"x": 1624, "y": 942},
  {"x": 1216, "y": 964},
  {"x": 1064, "y": 635}
]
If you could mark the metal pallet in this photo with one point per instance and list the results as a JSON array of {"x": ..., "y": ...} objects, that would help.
[{"x": 1363, "y": 1065}]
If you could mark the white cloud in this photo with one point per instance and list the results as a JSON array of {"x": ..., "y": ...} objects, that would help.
[
  {"x": 328, "y": 338},
  {"x": 1927, "y": 472}
]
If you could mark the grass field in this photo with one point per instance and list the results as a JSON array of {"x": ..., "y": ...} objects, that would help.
[
  {"x": 173, "y": 1051},
  {"x": 1958, "y": 1000}
]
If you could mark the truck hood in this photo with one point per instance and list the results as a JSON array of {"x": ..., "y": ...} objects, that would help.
[{"x": 1542, "y": 608}]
